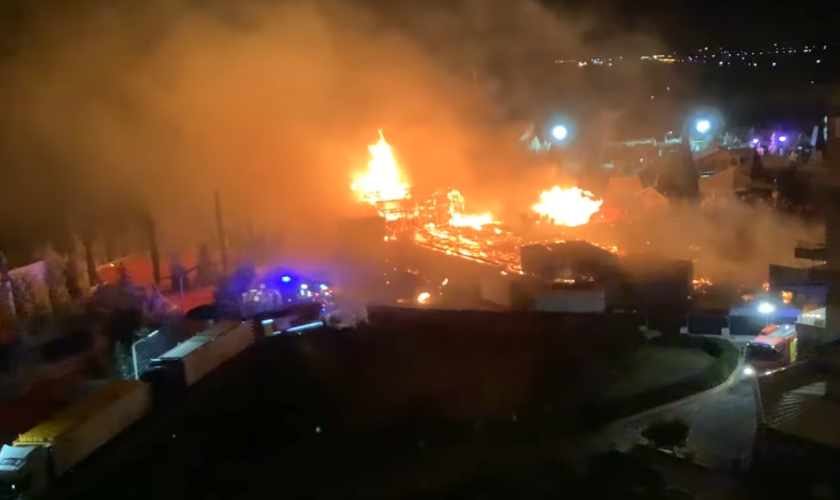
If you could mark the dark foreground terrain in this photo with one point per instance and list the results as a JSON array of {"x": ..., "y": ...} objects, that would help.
[{"x": 389, "y": 411}]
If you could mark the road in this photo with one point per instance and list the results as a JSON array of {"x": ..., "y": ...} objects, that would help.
[{"x": 723, "y": 423}]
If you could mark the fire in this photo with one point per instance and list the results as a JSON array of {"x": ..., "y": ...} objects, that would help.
[
  {"x": 459, "y": 219},
  {"x": 474, "y": 221},
  {"x": 382, "y": 181},
  {"x": 701, "y": 282},
  {"x": 437, "y": 220},
  {"x": 567, "y": 207}
]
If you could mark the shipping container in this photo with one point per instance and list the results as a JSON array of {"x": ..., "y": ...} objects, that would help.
[
  {"x": 649, "y": 283},
  {"x": 77, "y": 431},
  {"x": 228, "y": 342},
  {"x": 497, "y": 290},
  {"x": 571, "y": 301},
  {"x": 195, "y": 358},
  {"x": 567, "y": 260}
]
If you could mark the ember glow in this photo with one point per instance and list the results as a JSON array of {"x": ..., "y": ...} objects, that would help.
[
  {"x": 460, "y": 219},
  {"x": 567, "y": 207},
  {"x": 383, "y": 180},
  {"x": 474, "y": 221}
]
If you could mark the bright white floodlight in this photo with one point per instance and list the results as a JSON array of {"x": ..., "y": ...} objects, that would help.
[
  {"x": 703, "y": 126},
  {"x": 766, "y": 308},
  {"x": 560, "y": 132}
]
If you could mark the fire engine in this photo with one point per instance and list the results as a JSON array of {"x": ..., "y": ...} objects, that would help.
[{"x": 773, "y": 349}]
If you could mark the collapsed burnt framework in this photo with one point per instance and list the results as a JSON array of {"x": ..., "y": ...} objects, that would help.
[
  {"x": 419, "y": 207},
  {"x": 423, "y": 217},
  {"x": 545, "y": 276}
]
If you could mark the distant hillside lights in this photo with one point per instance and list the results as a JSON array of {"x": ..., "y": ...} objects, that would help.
[
  {"x": 660, "y": 58},
  {"x": 718, "y": 56}
]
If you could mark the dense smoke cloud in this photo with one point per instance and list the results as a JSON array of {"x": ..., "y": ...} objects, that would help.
[
  {"x": 273, "y": 103},
  {"x": 734, "y": 243},
  {"x": 729, "y": 241}
]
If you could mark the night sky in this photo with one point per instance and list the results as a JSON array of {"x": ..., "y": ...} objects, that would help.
[
  {"x": 686, "y": 25},
  {"x": 681, "y": 25}
]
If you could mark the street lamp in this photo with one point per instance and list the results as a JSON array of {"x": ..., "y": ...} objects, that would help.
[
  {"x": 560, "y": 132},
  {"x": 766, "y": 309},
  {"x": 703, "y": 126}
]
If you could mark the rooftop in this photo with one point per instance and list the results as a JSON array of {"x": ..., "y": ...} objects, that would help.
[{"x": 185, "y": 348}]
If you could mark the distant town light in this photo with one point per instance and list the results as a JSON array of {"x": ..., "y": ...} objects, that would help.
[
  {"x": 783, "y": 138},
  {"x": 755, "y": 141}
]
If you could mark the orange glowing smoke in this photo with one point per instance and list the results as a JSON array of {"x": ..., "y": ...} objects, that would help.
[
  {"x": 567, "y": 207},
  {"x": 383, "y": 180}
]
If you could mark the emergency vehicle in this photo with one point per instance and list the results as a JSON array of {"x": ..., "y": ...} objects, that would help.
[{"x": 773, "y": 349}]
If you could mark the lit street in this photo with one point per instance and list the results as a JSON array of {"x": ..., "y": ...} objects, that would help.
[{"x": 722, "y": 421}]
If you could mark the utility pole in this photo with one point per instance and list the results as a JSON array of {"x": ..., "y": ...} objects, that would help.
[
  {"x": 220, "y": 230},
  {"x": 154, "y": 252}
]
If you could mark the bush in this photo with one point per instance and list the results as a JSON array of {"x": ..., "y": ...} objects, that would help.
[
  {"x": 55, "y": 277},
  {"x": 205, "y": 272},
  {"x": 121, "y": 362},
  {"x": 25, "y": 296},
  {"x": 78, "y": 282},
  {"x": 712, "y": 347},
  {"x": 67, "y": 346},
  {"x": 667, "y": 434}
]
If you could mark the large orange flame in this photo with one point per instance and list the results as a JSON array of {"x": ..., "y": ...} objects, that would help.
[
  {"x": 567, "y": 207},
  {"x": 460, "y": 219},
  {"x": 383, "y": 179},
  {"x": 474, "y": 221}
]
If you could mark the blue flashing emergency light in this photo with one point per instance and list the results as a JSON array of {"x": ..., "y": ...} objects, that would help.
[
  {"x": 286, "y": 279},
  {"x": 307, "y": 326}
]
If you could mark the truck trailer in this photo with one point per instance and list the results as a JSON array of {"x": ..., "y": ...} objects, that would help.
[
  {"x": 38, "y": 457},
  {"x": 191, "y": 360}
]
